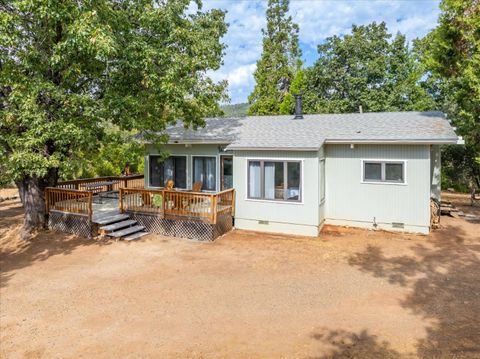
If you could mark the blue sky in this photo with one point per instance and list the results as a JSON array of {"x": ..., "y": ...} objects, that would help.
[{"x": 317, "y": 19}]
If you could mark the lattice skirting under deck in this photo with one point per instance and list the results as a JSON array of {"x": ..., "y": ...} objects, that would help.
[
  {"x": 70, "y": 223},
  {"x": 192, "y": 229}
]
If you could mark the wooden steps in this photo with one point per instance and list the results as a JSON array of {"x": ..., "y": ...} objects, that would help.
[
  {"x": 126, "y": 231},
  {"x": 134, "y": 236},
  {"x": 119, "y": 226},
  {"x": 111, "y": 219}
]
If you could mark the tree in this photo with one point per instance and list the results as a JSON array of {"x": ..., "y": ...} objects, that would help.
[
  {"x": 365, "y": 68},
  {"x": 71, "y": 69},
  {"x": 279, "y": 62},
  {"x": 451, "y": 55}
]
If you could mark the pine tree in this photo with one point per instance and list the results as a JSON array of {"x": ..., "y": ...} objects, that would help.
[
  {"x": 279, "y": 62},
  {"x": 365, "y": 68}
]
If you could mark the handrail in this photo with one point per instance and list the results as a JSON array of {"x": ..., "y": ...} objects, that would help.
[
  {"x": 69, "y": 200},
  {"x": 171, "y": 203},
  {"x": 132, "y": 181}
]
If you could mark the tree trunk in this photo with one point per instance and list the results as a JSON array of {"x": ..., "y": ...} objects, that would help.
[{"x": 32, "y": 195}]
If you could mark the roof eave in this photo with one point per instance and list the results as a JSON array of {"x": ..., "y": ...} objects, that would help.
[
  {"x": 253, "y": 148},
  {"x": 442, "y": 141}
]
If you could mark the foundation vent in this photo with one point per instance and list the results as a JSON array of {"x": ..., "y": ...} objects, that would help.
[
  {"x": 398, "y": 225},
  {"x": 263, "y": 222}
]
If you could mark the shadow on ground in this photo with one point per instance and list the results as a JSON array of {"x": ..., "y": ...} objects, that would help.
[
  {"x": 354, "y": 345},
  {"x": 16, "y": 253},
  {"x": 443, "y": 275}
]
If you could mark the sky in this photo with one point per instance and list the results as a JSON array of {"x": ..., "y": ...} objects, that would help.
[{"x": 317, "y": 19}]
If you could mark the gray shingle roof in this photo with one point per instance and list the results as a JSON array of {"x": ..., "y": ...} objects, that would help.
[{"x": 309, "y": 133}]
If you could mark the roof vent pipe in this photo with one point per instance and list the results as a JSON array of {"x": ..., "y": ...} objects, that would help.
[{"x": 298, "y": 107}]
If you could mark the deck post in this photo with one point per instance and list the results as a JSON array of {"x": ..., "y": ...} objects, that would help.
[
  {"x": 90, "y": 209},
  {"x": 213, "y": 208},
  {"x": 164, "y": 203},
  {"x": 121, "y": 199}
]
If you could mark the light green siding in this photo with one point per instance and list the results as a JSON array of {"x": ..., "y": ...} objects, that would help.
[
  {"x": 351, "y": 202},
  {"x": 189, "y": 152},
  {"x": 278, "y": 216},
  {"x": 332, "y": 188},
  {"x": 435, "y": 172}
]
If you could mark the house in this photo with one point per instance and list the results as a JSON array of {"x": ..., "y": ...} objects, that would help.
[{"x": 293, "y": 174}]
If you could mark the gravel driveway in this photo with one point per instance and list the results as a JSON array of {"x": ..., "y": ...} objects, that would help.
[{"x": 346, "y": 294}]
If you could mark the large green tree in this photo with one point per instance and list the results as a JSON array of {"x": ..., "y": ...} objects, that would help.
[
  {"x": 279, "y": 62},
  {"x": 365, "y": 68},
  {"x": 451, "y": 54},
  {"x": 71, "y": 69}
]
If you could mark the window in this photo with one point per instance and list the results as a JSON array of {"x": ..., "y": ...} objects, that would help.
[
  {"x": 383, "y": 171},
  {"x": 205, "y": 171},
  {"x": 274, "y": 180},
  {"x": 172, "y": 168}
]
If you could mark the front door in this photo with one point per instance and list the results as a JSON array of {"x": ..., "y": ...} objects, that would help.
[{"x": 226, "y": 172}]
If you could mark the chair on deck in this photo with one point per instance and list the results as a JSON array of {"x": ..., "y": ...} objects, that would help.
[
  {"x": 169, "y": 185},
  {"x": 197, "y": 186}
]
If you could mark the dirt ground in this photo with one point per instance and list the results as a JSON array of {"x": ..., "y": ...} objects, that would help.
[{"x": 347, "y": 294}]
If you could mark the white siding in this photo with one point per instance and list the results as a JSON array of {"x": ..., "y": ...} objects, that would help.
[
  {"x": 283, "y": 217},
  {"x": 351, "y": 202}
]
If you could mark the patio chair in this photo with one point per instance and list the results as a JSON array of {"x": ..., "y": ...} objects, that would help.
[
  {"x": 169, "y": 185},
  {"x": 197, "y": 186}
]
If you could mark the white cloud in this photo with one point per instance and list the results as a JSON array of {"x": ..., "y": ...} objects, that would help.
[{"x": 317, "y": 20}]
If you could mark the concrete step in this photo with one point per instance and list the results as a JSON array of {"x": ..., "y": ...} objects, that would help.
[
  {"x": 111, "y": 219},
  {"x": 118, "y": 225},
  {"x": 126, "y": 231},
  {"x": 133, "y": 236}
]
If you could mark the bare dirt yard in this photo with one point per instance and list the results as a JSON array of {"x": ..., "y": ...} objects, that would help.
[{"x": 347, "y": 294}]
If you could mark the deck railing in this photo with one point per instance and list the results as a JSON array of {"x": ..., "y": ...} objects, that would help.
[
  {"x": 173, "y": 204},
  {"x": 133, "y": 181},
  {"x": 69, "y": 200}
]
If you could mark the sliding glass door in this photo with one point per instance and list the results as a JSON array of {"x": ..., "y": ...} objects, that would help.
[
  {"x": 205, "y": 172},
  {"x": 172, "y": 168}
]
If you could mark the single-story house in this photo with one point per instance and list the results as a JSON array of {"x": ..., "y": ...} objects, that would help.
[{"x": 293, "y": 174}]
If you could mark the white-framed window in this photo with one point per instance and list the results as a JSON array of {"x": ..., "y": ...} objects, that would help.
[
  {"x": 383, "y": 171},
  {"x": 274, "y": 180},
  {"x": 172, "y": 168}
]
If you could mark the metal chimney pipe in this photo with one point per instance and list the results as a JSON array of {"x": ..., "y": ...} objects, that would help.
[{"x": 298, "y": 107}]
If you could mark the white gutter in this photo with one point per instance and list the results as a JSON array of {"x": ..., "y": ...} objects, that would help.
[
  {"x": 385, "y": 141},
  {"x": 232, "y": 148},
  {"x": 193, "y": 142}
]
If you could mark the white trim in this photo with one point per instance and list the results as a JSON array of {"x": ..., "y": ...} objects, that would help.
[
  {"x": 217, "y": 171},
  {"x": 362, "y": 168},
  {"x": 199, "y": 142},
  {"x": 397, "y": 142},
  {"x": 277, "y": 159},
  {"x": 290, "y": 149},
  {"x": 169, "y": 155}
]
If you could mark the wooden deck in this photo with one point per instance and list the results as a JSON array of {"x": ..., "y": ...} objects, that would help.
[{"x": 198, "y": 215}]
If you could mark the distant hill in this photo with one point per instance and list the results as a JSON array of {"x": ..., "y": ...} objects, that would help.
[{"x": 235, "y": 110}]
